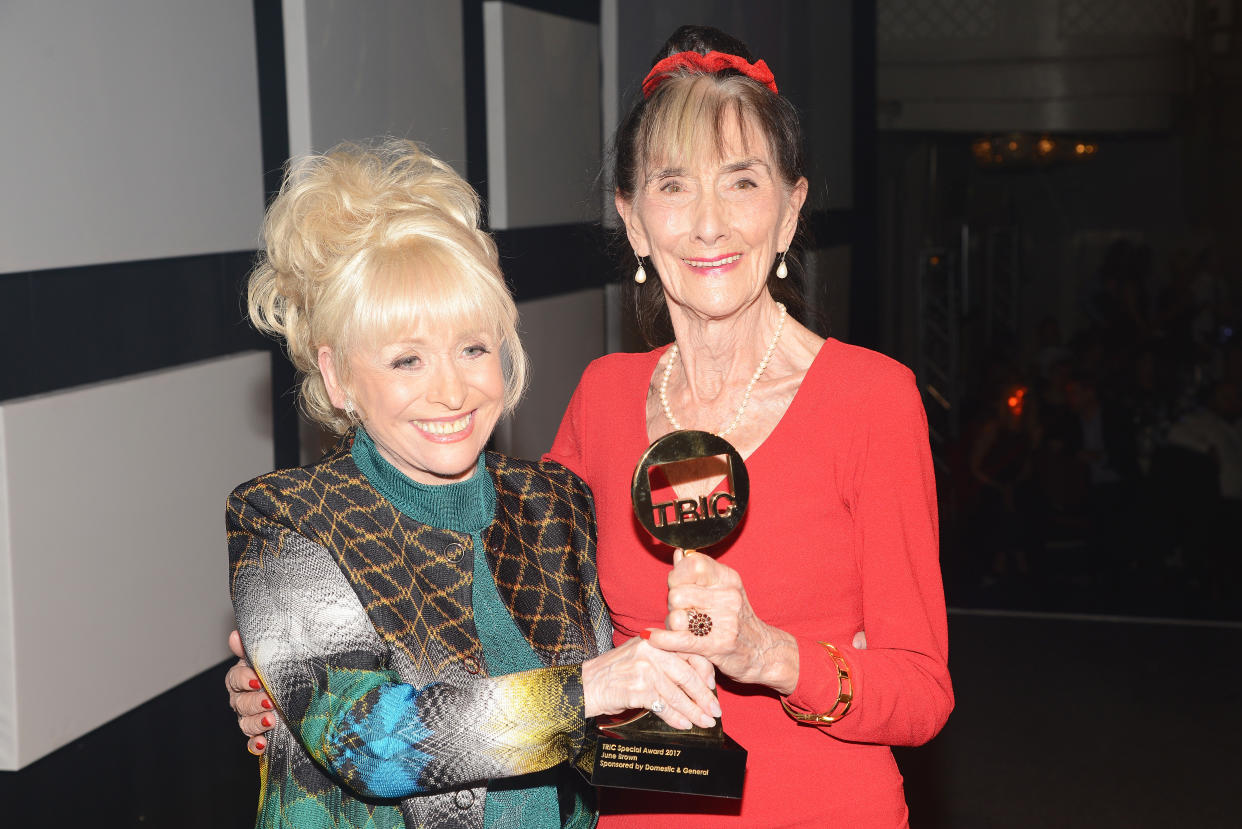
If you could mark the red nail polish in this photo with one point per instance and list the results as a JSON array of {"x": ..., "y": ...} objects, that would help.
[
  {"x": 267, "y": 721},
  {"x": 646, "y": 634},
  {"x": 255, "y": 684},
  {"x": 267, "y": 703},
  {"x": 259, "y": 745}
]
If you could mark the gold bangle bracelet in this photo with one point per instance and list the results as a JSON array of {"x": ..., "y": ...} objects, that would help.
[{"x": 845, "y": 694}]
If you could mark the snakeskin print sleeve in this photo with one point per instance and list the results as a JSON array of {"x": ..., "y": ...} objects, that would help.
[{"x": 352, "y": 706}]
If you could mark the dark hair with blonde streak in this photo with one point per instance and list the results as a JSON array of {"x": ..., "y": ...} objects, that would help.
[{"x": 688, "y": 110}]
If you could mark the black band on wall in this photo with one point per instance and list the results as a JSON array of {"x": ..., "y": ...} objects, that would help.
[
  {"x": 65, "y": 327},
  {"x": 475, "y": 78},
  {"x": 554, "y": 259},
  {"x": 864, "y": 255},
  {"x": 269, "y": 35},
  {"x": 558, "y": 259},
  {"x": 573, "y": 9}
]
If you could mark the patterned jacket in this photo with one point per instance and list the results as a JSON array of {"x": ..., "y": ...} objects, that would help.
[{"x": 359, "y": 623}]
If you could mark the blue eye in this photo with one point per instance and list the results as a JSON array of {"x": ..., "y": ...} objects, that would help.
[
  {"x": 476, "y": 350},
  {"x": 409, "y": 361}
]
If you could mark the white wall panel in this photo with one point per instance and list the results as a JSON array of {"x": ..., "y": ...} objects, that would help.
[
  {"x": 113, "y": 563},
  {"x": 131, "y": 131},
  {"x": 543, "y": 117},
  {"x": 297, "y": 76},
  {"x": 382, "y": 67},
  {"x": 561, "y": 334}
]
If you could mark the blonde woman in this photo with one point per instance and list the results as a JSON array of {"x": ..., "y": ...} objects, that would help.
[{"x": 424, "y": 615}]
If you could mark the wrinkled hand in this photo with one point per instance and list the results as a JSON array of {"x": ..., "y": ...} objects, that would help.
[
  {"x": 635, "y": 675},
  {"x": 740, "y": 644},
  {"x": 255, "y": 713}
]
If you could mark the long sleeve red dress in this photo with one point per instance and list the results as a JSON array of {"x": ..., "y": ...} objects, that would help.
[{"x": 841, "y": 536}]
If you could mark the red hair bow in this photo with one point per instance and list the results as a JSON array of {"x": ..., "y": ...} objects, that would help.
[{"x": 710, "y": 63}]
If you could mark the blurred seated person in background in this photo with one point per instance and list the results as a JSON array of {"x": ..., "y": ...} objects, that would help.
[
  {"x": 1213, "y": 429},
  {"x": 1107, "y": 451},
  {"x": 1001, "y": 462},
  {"x": 1209, "y": 439}
]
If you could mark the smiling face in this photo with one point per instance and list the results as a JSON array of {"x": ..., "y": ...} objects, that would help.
[
  {"x": 428, "y": 400},
  {"x": 714, "y": 224}
]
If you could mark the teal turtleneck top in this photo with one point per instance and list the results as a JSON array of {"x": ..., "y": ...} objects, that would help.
[{"x": 469, "y": 506}]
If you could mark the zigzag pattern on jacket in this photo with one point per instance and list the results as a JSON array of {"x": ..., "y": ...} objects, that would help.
[{"x": 359, "y": 622}]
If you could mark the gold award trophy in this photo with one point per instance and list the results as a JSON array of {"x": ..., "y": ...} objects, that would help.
[{"x": 641, "y": 751}]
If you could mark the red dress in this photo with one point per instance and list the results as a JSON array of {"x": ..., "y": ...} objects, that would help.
[{"x": 840, "y": 536}]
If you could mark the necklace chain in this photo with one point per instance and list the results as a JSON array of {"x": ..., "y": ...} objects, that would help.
[{"x": 754, "y": 378}]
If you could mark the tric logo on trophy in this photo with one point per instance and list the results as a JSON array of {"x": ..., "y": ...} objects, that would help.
[{"x": 641, "y": 751}]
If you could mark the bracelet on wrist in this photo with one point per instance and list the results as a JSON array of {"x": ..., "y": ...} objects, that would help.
[{"x": 845, "y": 694}]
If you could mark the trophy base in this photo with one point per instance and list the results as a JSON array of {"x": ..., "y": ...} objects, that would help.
[{"x": 646, "y": 753}]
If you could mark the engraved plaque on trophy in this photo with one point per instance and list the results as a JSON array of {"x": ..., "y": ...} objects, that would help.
[{"x": 640, "y": 750}]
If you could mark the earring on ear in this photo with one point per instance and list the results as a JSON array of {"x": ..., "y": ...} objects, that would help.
[
  {"x": 782, "y": 270},
  {"x": 640, "y": 275},
  {"x": 350, "y": 412}
]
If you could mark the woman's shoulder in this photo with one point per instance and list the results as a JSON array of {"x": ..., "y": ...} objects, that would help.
[
  {"x": 525, "y": 478},
  {"x": 623, "y": 365},
  {"x": 852, "y": 373},
  {"x": 856, "y": 362},
  {"x": 335, "y": 470}
]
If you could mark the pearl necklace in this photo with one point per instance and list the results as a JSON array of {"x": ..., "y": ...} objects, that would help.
[{"x": 754, "y": 378}]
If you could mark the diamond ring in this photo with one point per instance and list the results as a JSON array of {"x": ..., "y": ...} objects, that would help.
[{"x": 657, "y": 706}]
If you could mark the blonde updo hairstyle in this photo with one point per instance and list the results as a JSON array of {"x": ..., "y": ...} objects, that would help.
[{"x": 366, "y": 243}]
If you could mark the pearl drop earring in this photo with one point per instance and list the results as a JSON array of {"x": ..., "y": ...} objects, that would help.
[
  {"x": 782, "y": 270},
  {"x": 640, "y": 275}
]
